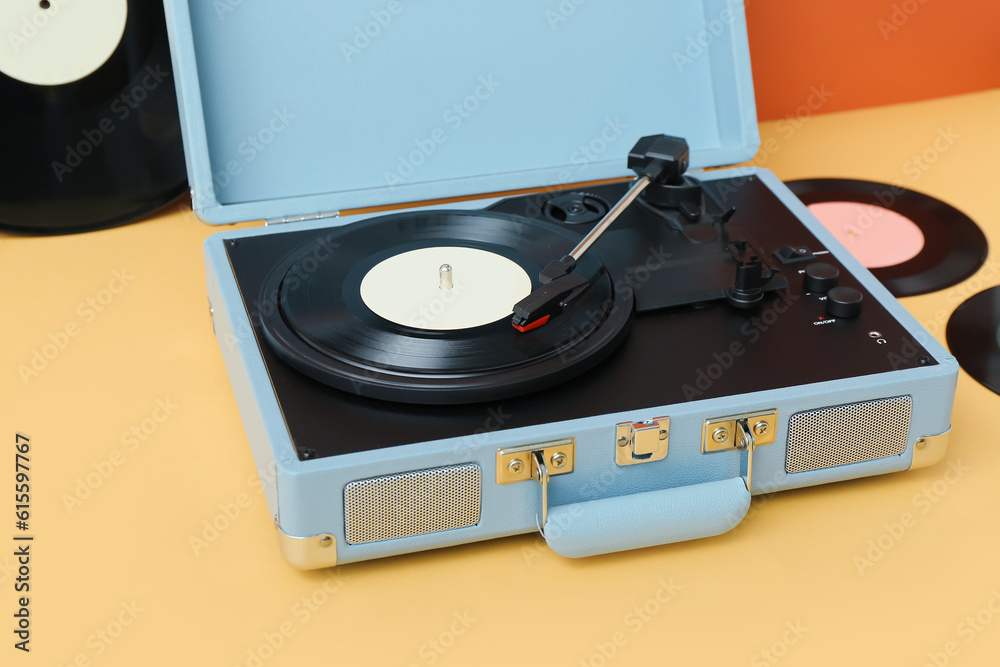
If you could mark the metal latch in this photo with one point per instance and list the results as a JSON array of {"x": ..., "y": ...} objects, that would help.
[
  {"x": 641, "y": 442},
  {"x": 516, "y": 464},
  {"x": 747, "y": 431},
  {"x": 540, "y": 461}
]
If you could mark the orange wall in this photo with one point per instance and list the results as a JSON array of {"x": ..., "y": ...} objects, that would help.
[{"x": 870, "y": 52}]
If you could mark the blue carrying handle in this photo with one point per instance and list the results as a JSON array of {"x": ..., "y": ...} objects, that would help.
[{"x": 646, "y": 519}]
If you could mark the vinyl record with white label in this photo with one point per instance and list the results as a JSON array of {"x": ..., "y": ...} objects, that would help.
[
  {"x": 421, "y": 309},
  {"x": 92, "y": 134}
]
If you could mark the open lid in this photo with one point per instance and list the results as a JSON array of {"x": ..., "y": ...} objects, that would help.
[{"x": 301, "y": 108}]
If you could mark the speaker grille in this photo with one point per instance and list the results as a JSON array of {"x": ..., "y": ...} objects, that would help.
[
  {"x": 412, "y": 503},
  {"x": 844, "y": 434}
]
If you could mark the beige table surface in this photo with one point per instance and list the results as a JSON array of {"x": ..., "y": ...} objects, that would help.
[{"x": 137, "y": 446}]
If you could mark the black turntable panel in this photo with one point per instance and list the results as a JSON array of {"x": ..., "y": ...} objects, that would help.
[{"x": 725, "y": 302}]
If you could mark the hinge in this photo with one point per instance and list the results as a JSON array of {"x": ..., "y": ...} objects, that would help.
[{"x": 302, "y": 218}]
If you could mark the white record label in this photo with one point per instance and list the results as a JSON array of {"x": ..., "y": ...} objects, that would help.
[
  {"x": 408, "y": 288},
  {"x": 54, "y": 42}
]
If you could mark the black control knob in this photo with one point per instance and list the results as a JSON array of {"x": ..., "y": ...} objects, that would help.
[
  {"x": 820, "y": 278},
  {"x": 843, "y": 302}
]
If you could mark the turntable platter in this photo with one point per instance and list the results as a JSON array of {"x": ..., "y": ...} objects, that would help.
[{"x": 329, "y": 309}]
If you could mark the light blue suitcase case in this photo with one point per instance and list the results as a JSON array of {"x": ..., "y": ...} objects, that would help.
[{"x": 295, "y": 111}]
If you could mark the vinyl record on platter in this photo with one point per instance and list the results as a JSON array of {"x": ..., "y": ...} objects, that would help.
[
  {"x": 974, "y": 337},
  {"x": 416, "y": 308},
  {"x": 92, "y": 133},
  {"x": 911, "y": 242}
]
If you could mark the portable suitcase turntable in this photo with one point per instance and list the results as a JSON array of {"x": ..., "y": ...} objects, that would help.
[{"x": 620, "y": 366}]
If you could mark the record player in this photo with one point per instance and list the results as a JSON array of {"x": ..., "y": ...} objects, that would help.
[{"x": 618, "y": 365}]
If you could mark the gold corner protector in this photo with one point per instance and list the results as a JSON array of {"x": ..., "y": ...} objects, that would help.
[
  {"x": 930, "y": 449},
  {"x": 307, "y": 553}
]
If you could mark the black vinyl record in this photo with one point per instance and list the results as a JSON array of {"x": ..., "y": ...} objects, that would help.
[
  {"x": 315, "y": 319},
  {"x": 97, "y": 151},
  {"x": 973, "y": 335},
  {"x": 954, "y": 247}
]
